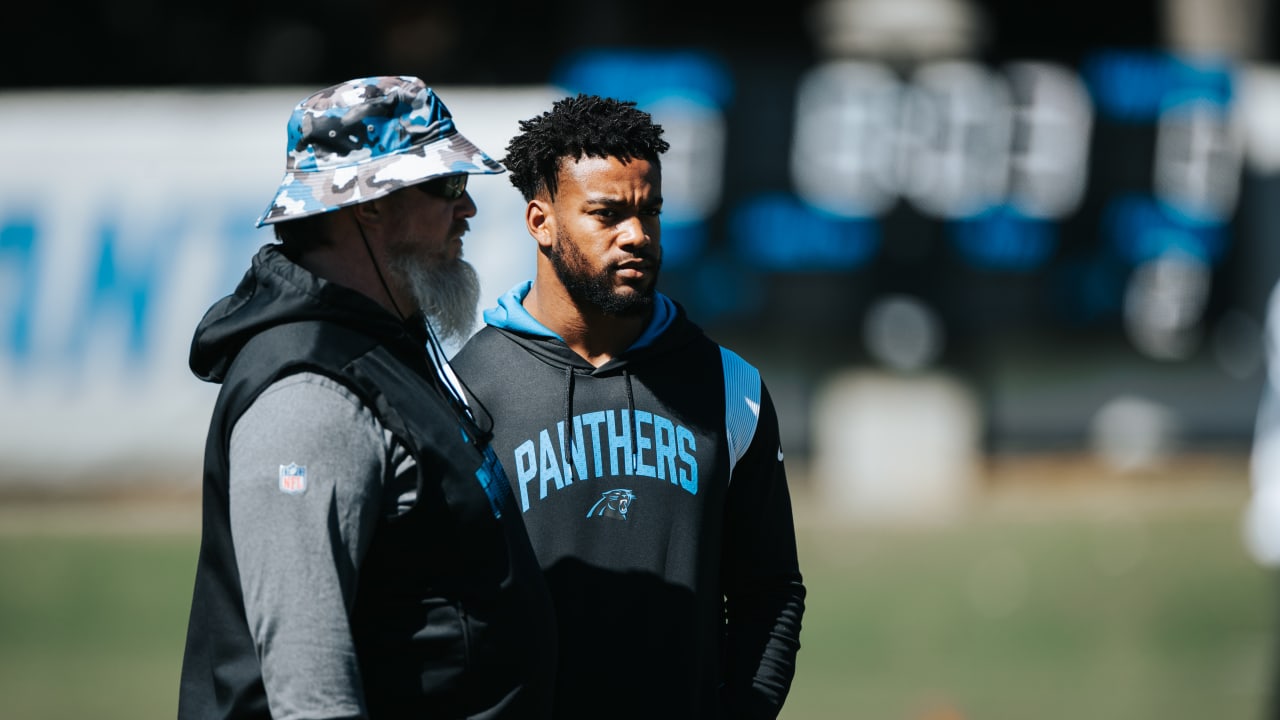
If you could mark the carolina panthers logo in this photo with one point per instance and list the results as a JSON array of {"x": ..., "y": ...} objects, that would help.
[{"x": 613, "y": 503}]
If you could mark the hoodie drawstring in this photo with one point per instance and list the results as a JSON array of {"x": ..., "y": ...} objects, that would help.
[
  {"x": 631, "y": 413},
  {"x": 568, "y": 407},
  {"x": 635, "y": 425}
]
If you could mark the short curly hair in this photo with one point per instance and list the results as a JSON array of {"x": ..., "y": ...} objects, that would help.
[{"x": 577, "y": 127}]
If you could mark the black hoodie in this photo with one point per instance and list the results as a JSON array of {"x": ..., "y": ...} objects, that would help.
[
  {"x": 655, "y": 494},
  {"x": 448, "y": 613}
]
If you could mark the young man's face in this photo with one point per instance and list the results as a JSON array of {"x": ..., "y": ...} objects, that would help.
[{"x": 607, "y": 249}]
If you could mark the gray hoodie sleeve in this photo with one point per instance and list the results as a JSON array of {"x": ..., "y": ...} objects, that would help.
[{"x": 307, "y": 466}]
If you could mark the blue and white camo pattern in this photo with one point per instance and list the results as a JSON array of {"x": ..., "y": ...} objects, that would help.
[{"x": 364, "y": 138}]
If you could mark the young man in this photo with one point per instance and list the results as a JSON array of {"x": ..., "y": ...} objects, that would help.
[
  {"x": 361, "y": 553},
  {"x": 643, "y": 456}
]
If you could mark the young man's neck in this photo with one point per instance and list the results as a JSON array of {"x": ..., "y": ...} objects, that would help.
[{"x": 597, "y": 337}]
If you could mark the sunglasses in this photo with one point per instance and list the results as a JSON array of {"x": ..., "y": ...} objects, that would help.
[{"x": 449, "y": 187}]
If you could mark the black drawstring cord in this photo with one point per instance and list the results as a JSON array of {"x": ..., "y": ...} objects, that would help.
[
  {"x": 568, "y": 408},
  {"x": 378, "y": 270},
  {"x": 635, "y": 425}
]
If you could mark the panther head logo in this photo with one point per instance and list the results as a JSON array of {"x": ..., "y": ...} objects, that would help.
[{"x": 613, "y": 503}]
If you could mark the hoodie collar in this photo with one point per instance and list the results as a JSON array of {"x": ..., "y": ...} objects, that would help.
[{"x": 511, "y": 315}]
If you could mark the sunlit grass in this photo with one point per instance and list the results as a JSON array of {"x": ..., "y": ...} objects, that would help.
[{"x": 1133, "y": 611}]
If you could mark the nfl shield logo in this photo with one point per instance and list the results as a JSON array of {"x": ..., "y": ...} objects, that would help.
[{"x": 293, "y": 478}]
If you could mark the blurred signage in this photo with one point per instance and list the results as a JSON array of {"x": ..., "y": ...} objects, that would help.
[
  {"x": 1098, "y": 196},
  {"x": 123, "y": 215}
]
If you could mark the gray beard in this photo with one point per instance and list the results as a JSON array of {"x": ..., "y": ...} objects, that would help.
[{"x": 447, "y": 295}]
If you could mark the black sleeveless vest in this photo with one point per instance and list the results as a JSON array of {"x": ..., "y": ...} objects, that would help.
[{"x": 452, "y": 618}]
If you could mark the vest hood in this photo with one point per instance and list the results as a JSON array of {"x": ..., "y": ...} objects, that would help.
[{"x": 276, "y": 291}]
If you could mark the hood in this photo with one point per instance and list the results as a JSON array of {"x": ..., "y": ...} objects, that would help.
[
  {"x": 669, "y": 329},
  {"x": 275, "y": 291}
]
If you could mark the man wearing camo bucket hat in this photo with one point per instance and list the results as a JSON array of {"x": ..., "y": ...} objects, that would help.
[{"x": 361, "y": 556}]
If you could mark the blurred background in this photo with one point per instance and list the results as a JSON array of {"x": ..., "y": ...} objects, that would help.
[{"x": 1005, "y": 268}]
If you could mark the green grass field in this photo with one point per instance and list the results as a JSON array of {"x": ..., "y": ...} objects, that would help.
[{"x": 1059, "y": 603}]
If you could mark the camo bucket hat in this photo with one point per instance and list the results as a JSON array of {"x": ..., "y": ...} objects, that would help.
[{"x": 364, "y": 138}]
